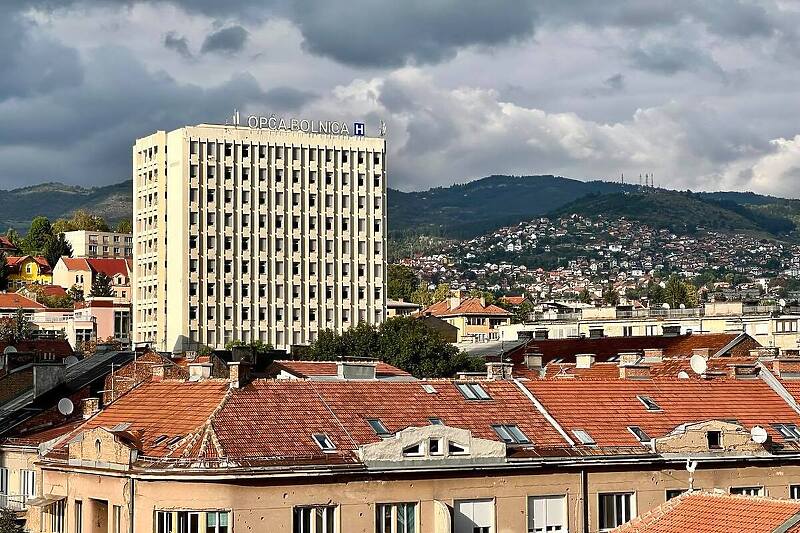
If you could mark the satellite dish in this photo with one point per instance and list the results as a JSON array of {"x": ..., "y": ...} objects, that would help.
[
  {"x": 698, "y": 364},
  {"x": 665, "y": 306},
  {"x": 683, "y": 375},
  {"x": 782, "y": 302},
  {"x": 758, "y": 434},
  {"x": 9, "y": 349},
  {"x": 70, "y": 360},
  {"x": 65, "y": 406}
]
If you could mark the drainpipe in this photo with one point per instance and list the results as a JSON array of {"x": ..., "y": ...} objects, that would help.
[
  {"x": 131, "y": 504},
  {"x": 585, "y": 498}
]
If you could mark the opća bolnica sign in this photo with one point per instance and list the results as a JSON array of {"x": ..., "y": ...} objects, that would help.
[{"x": 330, "y": 127}]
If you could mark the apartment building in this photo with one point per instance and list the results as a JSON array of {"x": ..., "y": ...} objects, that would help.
[
  {"x": 251, "y": 234},
  {"x": 512, "y": 452},
  {"x": 86, "y": 243},
  {"x": 770, "y": 325}
]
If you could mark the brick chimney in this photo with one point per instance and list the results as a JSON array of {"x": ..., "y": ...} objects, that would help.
[
  {"x": 90, "y": 407},
  {"x": 786, "y": 367},
  {"x": 634, "y": 372},
  {"x": 158, "y": 372},
  {"x": 653, "y": 355},
  {"x": 743, "y": 371},
  {"x": 455, "y": 301},
  {"x": 496, "y": 370},
  {"x": 584, "y": 360},
  {"x": 238, "y": 373},
  {"x": 629, "y": 358}
]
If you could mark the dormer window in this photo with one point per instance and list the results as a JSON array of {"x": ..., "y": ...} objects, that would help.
[
  {"x": 378, "y": 427},
  {"x": 510, "y": 434},
  {"x": 714, "y": 439},
  {"x": 454, "y": 448},
  {"x": 436, "y": 421},
  {"x": 415, "y": 450},
  {"x": 324, "y": 442},
  {"x": 473, "y": 391},
  {"x": 649, "y": 403}
]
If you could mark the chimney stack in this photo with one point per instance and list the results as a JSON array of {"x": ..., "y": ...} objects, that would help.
[
  {"x": 743, "y": 371},
  {"x": 496, "y": 370},
  {"x": 704, "y": 352},
  {"x": 634, "y": 372},
  {"x": 786, "y": 367},
  {"x": 199, "y": 371},
  {"x": 158, "y": 372},
  {"x": 629, "y": 358},
  {"x": 239, "y": 373},
  {"x": 533, "y": 361},
  {"x": 653, "y": 355},
  {"x": 90, "y": 407},
  {"x": 356, "y": 369},
  {"x": 584, "y": 360}
]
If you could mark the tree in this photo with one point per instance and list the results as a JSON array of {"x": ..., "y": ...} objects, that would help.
[
  {"x": 402, "y": 282},
  {"x": 425, "y": 297},
  {"x": 9, "y": 523},
  {"x": 102, "y": 286},
  {"x": 3, "y": 272},
  {"x": 610, "y": 296},
  {"x": 75, "y": 293},
  {"x": 523, "y": 312},
  {"x": 404, "y": 342},
  {"x": 55, "y": 248},
  {"x": 80, "y": 220},
  {"x": 678, "y": 292},
  {"x": 16, "y": 328},
  {"x": 125, "y": 226},
  {"x": 13, "y": 236},
  {"x": 38, "y": 235},
  {"x": 585, "y": 296}
]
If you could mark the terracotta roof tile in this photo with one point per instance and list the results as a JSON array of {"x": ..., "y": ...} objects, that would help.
[
  {"x": 614, "y": 405},
  {"x": 468, "y": 306},
  {"x": 329, "y": 368},
  {"x": 109, "y": 266},
  {"x": 12, "y": 300},
  {"x": 75, "y": 263},
  {"x": 705, "y": 512}
]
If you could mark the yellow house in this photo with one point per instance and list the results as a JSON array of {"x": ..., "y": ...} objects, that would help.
[{"x": 27, "y": 269}]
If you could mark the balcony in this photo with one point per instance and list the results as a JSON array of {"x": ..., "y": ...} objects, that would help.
[{"x": 13, "y": 502}]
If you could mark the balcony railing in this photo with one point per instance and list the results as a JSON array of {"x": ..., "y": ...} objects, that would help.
[{"x": 13, "y": 502}]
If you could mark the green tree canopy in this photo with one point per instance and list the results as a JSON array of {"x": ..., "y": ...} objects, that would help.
[
  {"x": 55, "y": 248},
  {"x": 125, "y": 226},
  {"x": 9, "y": 523},
  {"x": 102, "y": 286},
  {"x": 39, "y": 234},
  {"x": 404, "y": 342},
  {"x": 3, "y": 272},
  {"x": 402, "y": 282},
  {"x": 16, "y": 328}
]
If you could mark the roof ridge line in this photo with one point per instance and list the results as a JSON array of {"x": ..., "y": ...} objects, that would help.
[
  {"x": 349, "y": 436},
  {"x": 540, "y": 407}
]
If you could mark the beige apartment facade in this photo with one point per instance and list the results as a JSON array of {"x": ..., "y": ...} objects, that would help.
[
  {"x": 247, "y": 233},
  {"x": 86, "y": 243}
]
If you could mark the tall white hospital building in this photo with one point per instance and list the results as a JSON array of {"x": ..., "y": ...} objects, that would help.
[{"x": 251, "y": 233}]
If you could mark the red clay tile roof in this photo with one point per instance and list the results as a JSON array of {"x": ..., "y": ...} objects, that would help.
[
  {"x": 11, "y": 300},
  {"x": 77, "y": 263},
  {"x": 304, "y": 369},
  {"x": 59, "y": 348},
  {"x": 171, "y": 408},
  {"x": 468, "y": 306},
  {"x": 667, "y": 368},
  {"x": 52, "y": 290},
  {"x": 109, "y": 266},
  {"x": 513, "y": 300},
  {"x": 614, "y": 405},
  {"x": 6, "y": 244},
  {"x": 707, "y": 512},
  {"x": 36, "y": 437},
  {"x": 271, "y": 418},
  {"x": 14, "y": 262},
  {"x": 606, "y": 347}
]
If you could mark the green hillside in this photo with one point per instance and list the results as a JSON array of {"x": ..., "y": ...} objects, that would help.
[
  {"x": 682, "y": 211},
  {"x": 56, "y": 200},
  {"x": 477, "y": 207}
]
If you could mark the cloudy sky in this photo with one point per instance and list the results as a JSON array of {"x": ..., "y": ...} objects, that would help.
[{"x": 702, "y": 93}]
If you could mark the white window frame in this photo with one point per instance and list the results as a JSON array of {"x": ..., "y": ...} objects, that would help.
[
  {"x": 217, "y": 519},
  {"x": 27, "y": 483},
  {"x": 313, "y": 510},
  {"x": 753, "y": 490},
  {"x": 394, "y": 525},
  {"x": 618, "y": 513},
  {"x": 545, "y": 527}
]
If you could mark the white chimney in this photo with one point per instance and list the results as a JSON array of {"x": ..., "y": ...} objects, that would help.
[{"x": 584, "y": 360}]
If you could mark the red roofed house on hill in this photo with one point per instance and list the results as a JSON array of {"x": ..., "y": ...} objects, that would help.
[
  {"x": 7, "y": 247},
  {"x": 27, "y": 269},
  {"x": 476, "y": 321},
  {"x": 82, "y": 272}
]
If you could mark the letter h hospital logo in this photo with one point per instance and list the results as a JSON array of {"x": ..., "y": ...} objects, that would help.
[{"x": 358, "y": 129}]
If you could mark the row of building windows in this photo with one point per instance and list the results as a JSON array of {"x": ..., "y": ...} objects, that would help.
[
  {"x": 280, "y": 293},
  {"x": 279, "y": 173},
  {"x": 214, "y": 150}
]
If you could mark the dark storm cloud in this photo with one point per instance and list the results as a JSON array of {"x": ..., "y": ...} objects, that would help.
[
  {"x": 288, "y": 98},
  {"x": 392, "y": 33},
  {"x": 226, "y": 40},
  {"x": 178, "y": 43},
  {"x": 670, "y": 58}
]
